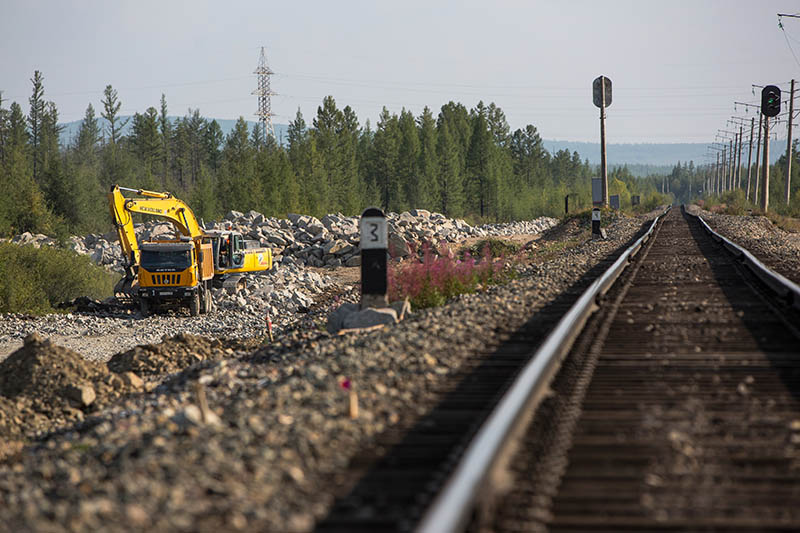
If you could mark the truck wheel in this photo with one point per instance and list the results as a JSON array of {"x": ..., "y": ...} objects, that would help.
[
  {"x": 144, "y": 307},
  {"x": 194, "y": 304}
]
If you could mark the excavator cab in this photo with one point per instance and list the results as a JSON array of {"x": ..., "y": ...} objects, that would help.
[
  {"x": 237, "y": 254},
  {"x": 229, "y": 250}
]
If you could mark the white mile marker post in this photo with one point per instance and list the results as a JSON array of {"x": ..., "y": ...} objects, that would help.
[{"x": 374, "y": 254}]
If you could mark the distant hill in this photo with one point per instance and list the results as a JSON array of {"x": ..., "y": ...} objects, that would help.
[
  {"x": 646, "y": 155},
  {"x": 70, "y": 132},
  {"x": 642, "y": 159}
]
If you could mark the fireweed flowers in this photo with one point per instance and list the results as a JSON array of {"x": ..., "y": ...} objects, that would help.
[{"x": 434, "y": 278}]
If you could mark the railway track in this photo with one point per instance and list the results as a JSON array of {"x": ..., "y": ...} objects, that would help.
[{"x": 677, "y": 407}]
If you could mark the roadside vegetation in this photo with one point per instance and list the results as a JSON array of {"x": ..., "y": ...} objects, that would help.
[
  {"x": 434, "y": 277},
  {"x": 36, "y": 280}
]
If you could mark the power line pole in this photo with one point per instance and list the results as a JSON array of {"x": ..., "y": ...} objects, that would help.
[
  {"x": 789, "y": 146},
  {"x": 738, "y": 158},
  {"x": 724, "y": 171},
  {"x": 731, "y": 161},
  {"x": 749, "y": 157},
  {"x": 264, "y": 94},
  {"x": 758, "y": 157},
  {"x": 716, "y": 177},
  {"x": 765, "y": 182}
]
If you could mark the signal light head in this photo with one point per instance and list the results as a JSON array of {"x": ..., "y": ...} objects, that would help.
[{"x": 771, "y": 100}]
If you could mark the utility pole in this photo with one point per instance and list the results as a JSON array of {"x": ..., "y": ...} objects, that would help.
[
  {"x": 715, "y": 189},
  {"x": 765, "y": 182},
  {"x": 749, "y": 157},
  {"x": 758, "y": 157},
  {"x": 787, "y": 194},
  {"x": 739, "y": 161},
  {"x": 723, "y": 172},
  {"x": 731, "y": 161}
]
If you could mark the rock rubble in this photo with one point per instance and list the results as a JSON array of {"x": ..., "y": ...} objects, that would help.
[
  {"x": 305, "y": 240},
  {"x": 277, "y": 429}
]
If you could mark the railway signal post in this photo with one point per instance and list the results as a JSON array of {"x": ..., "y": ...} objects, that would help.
[
  {"x": 601, "y": 94},
  {"x": 374, "y": 253},
  {"x": 770, "y": 107}
]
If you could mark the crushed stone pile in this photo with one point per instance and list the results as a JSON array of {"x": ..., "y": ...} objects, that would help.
[
  {"x": 173, "y": 354},
  {"x": 304, "y": 240}
]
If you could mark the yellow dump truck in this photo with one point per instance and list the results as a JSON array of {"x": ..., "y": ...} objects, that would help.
[{"x": 178, "y": 272}]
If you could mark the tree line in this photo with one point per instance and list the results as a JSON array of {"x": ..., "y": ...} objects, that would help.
[{"x": 461, "y": 162}]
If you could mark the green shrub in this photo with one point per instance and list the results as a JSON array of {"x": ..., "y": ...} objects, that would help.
[
  {"x": 496, "y": 248},
  {"x": 36, "y": 280}
]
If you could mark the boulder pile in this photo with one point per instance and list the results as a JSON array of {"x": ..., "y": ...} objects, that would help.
[
  {"x": 298, "y": 241},
  {"x": 305, "y": 240}
]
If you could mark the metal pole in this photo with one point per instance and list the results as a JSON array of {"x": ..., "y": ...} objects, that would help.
[
  {"x": 765, "y": 186},
  {"x": 603, "y": 162},
  {"x": 739, "y": 161},
  {"x": 789, "y": 147},
  {"x": 749, "y": 157},
  {"x": 715, "y": 188},
  {"x": 758, "y": 157},
  {"x": 723, "y": 172},
  {"x": 731, "y": 162}
]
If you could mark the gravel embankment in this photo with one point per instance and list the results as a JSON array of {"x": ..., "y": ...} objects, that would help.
[
  {"x": 150, "y": 461},
  {"x": 286, "y": 293},
  {"x": 775, "y": 247}
]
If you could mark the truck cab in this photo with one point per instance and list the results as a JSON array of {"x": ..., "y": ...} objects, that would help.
[{"x": 175, "y": 273}]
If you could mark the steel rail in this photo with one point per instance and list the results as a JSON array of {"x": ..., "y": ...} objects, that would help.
[
  {"x": 782, "y": 286},
  {"x": 450, "y": 510}
]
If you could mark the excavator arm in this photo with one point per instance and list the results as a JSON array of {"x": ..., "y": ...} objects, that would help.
[{"x": 160, "y": 204}]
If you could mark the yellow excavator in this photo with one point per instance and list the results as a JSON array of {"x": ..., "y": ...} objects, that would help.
[{"x": 178, "y": 272}]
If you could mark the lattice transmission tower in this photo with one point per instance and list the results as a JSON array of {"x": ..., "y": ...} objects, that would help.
[{"x": 264, "y": 94}]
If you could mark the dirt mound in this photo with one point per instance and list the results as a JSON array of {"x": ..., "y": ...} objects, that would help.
[
  {"x": 172, "y": 355},
  {"x": 43, "y": 386},
  {"x": 569, "y": 229}
]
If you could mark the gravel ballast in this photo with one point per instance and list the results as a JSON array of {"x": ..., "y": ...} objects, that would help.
[
  {"x": 250, "y": 440},
  {"x": 775, "y": 247}
]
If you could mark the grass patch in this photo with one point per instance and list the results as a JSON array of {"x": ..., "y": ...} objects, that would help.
[
  {"x": 790, "y": 224},
  {"x": 35, "y": 280},
  {"x": 549, "y": 251},
  {"x": 434, "y": 278},
  {"x": 495, "y": 248},
  {"x": 584, "y": 218}
]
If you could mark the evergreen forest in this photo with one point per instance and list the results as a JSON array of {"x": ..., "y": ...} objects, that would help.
[{"x": 463, "y": 162}]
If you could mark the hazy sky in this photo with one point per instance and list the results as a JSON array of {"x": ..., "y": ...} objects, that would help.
[{"x": 677, "y": 66}]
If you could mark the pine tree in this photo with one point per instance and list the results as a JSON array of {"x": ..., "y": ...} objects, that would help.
[
  {"x": 451, "y": 185},
  {"x": 408, "y": 160},
  {"x": 212, "y": 144},
  {"x": 478, "y": 186},
  {"x": 498, "y": 125},
  {"x": 428, "y": 160},
  {"x": 111, "y": 107},
  {"x": 146, "y": 140},
  {"x": 88, "y": 135},
  {"x": 165, "y": 128},
  {"x": 327, "y": 128},
  {"x": 387, "y": 141},
  {"x": 35, "y": 118},
  {"x": 238, "y": 186},
  {"x": 3, "y": 130},
  {"x": 349, "y": 187},
  {"x": 195, "y": 127}
]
